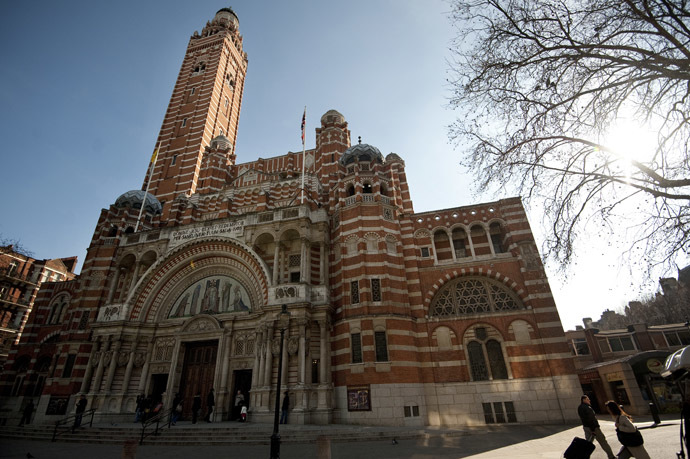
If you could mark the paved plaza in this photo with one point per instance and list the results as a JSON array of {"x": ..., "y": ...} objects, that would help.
[{"x": 509, "y": 442}]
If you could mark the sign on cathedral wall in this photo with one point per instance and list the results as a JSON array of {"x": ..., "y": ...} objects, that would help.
[
  {"x": 215, "y": 295},
  {"x": 229, "y": 229}
]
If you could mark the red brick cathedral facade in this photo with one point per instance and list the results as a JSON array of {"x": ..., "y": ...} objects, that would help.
[{"x": 396, "y": 317}]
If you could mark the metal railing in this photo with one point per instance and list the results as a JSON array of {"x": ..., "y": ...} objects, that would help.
[
  {"x": 164, "y": 417},
  {"x": 68, "y": 424}
]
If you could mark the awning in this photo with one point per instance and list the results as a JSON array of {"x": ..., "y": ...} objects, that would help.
[{"x": 677, "y": 362}]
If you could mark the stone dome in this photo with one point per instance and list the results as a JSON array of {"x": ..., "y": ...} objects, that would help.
[
  {"x": 227, "y": 15},
  {"x": 361, "y": 152},
  {"x": 332, "y": 116},
  {"x": 221, "y": 143},
  {"x": 134, "y": 198},
  {"x": 392, "y": 157}
]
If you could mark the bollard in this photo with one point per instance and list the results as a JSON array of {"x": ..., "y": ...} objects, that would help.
[
  {"x": 324, "y": 445},
  {"x": 129, "y": 449},
  {"x": 655, "y": 413}
]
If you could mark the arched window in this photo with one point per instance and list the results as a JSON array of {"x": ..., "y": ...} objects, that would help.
[
  {"x": 442, "y": 246},
  {"x": 473, "y": 295},
  {"x": 384, "y": 192},
  {"x": 497, "y": 237},
  {"x": 479, "y": 353},
  {"x": 477, "y": 361},
  {"x": 351, "y": 190},
  {"x": 366, "y": 189},
  {"x": 496, "y": 361}
]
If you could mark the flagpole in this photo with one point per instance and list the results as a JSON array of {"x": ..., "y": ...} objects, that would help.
[
  {"x": 304, "y": 118},
  {"x": 148, "y": 183}
]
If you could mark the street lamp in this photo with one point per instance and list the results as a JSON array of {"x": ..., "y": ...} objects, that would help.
[{"x": 283, "y": 323}]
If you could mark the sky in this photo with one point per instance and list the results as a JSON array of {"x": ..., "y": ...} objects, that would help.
[{"x": 84, "y": 87}]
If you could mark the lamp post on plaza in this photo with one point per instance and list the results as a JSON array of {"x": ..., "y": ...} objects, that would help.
[{"x": 283, "y": 323}]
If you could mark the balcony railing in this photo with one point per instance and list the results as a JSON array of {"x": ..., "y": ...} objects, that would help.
[{"x": 11, "y": 273}]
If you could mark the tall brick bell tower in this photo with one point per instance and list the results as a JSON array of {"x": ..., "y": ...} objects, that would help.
[{"x": 205, "y": 103}]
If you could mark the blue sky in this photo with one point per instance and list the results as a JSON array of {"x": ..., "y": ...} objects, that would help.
[{"x": 84, "y": 87}]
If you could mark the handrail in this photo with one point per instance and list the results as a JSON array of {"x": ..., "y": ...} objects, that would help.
[
  {"x": 70, "y": 420},
  {"x": 155, "y": 419}
]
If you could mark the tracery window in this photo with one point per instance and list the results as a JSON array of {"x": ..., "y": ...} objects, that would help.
[
  {"x": 473, "y": 296},
  {"x": 479, "y": 353}
]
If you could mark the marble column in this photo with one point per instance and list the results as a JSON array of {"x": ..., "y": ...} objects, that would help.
[
  {"x": 302, "y": 352},
  {"x": 286, "y": 364},
  {"x": 276, "y": 264},
  {"x": 324, "y": 352},
  {"x": 101, "y": 367},
  {"x": 268, "y": 370},
  {"x": 128, "y": 370},
  {"x": 256, "y": 376},
  {"x": 145, "y": 369},
  {"x": 137, "y": 266},
  {"x": 323, "y": 264},
  {"x": 86, "y": 382},
  {"x": 113, "y": 366},
  {"x": 113, "y": 286}
]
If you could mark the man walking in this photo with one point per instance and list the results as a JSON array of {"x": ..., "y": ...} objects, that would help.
[
  {"x": 591, "y": 425},
  {"x": 81, "y": 407},
  {"x": 210, "y": 403}
]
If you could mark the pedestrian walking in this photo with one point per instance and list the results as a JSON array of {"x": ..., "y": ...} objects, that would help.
[
  {"x": 591, "y": 425},
  {"x": 243, "y": 413},
  {"x": 196, "y": 407},
  {"x": 210, "y": 403},
  {"x": 176, "y": 408},
  {"x": 81, "y": 407},
  {"x": 26, "y": 414},
  {"x": 626, "y": 429},
  {"x": 284, "y": 409}
]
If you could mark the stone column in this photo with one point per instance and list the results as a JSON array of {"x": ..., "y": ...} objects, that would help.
[
  {"x": 261, "y": 350},
  {"x": 86, "y": 382},
  {"x": 323, "y": 264},
  {"x": 134, "y": 278},
  {"x": 324, "y": 352},
  {"x": 452, "y": 245},
  {"x": 469, "y": 240},
  {"x": 128, "y": 370},
  {"x": 268, "y": 370},
  {"x": 491, "y": 243},
  {"x": 113, "y": 365},
  {"x": 304, "y": 266},
  {"x": 113, "y": 286},
  {"x": 225, "y": 368},
  {"x": 173, "y": 370},
  {"x": 276, "y": 264},
  {"x": 257, "y": 360},
  {"x": 286, "y": 358},
  {"x": 145, "y": 369},
  {"x": 302, "y": 351},
  {"x": 101, "y": 366}
]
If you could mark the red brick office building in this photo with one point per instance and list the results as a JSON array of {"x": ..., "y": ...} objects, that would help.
[{"x": 396, "y": 317}]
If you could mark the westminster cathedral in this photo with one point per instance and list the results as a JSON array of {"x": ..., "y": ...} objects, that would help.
[{"x": 385, "y": 316}]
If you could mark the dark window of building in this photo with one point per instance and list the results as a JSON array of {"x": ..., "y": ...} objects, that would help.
[
  {"x": 488, "y": 413},
  {"x": 381, "y": 346},
  {"x": 69, "y": 365},
  {"x": 113, "y": 231},
  {"x": 498, "y": 411},
  {"x": 496, "y": 361},
  {"x": 315, "y": 371},
  {"x": 184, "y": 122},
  {"x": 425, "y": 252},
  {"x": 376, "y": 290},
  {"x": 294, "y": 276},
  {"x": 351, "y": 190},
  {"x": 174, "y": 160},
  {"x": 580, "y": 346},
  {"x": 477, "y": 361},
  {"x": 354, "y": 292},
  {"x": 510, "y": 411},
  {"x": 408, "y": 411},
  {"x": 366, "y": 189},
  {"x": 356, "y": 339}
]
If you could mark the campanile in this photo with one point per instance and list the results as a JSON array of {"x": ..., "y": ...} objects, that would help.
[{"x": 205, "y": 103}]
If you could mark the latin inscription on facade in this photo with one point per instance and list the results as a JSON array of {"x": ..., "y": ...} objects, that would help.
[{"x": 230, "y": 229}]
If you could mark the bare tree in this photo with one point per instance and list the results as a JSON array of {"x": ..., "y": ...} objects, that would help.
[
  {"x": 538, "y": 83},
  {"x": 14, "y": 245}
]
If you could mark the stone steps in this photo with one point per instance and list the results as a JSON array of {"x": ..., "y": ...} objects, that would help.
[{"x": 220, "y": 435}]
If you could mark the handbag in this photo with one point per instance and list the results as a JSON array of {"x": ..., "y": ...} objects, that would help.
[{"x": 630, "y": 438}]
